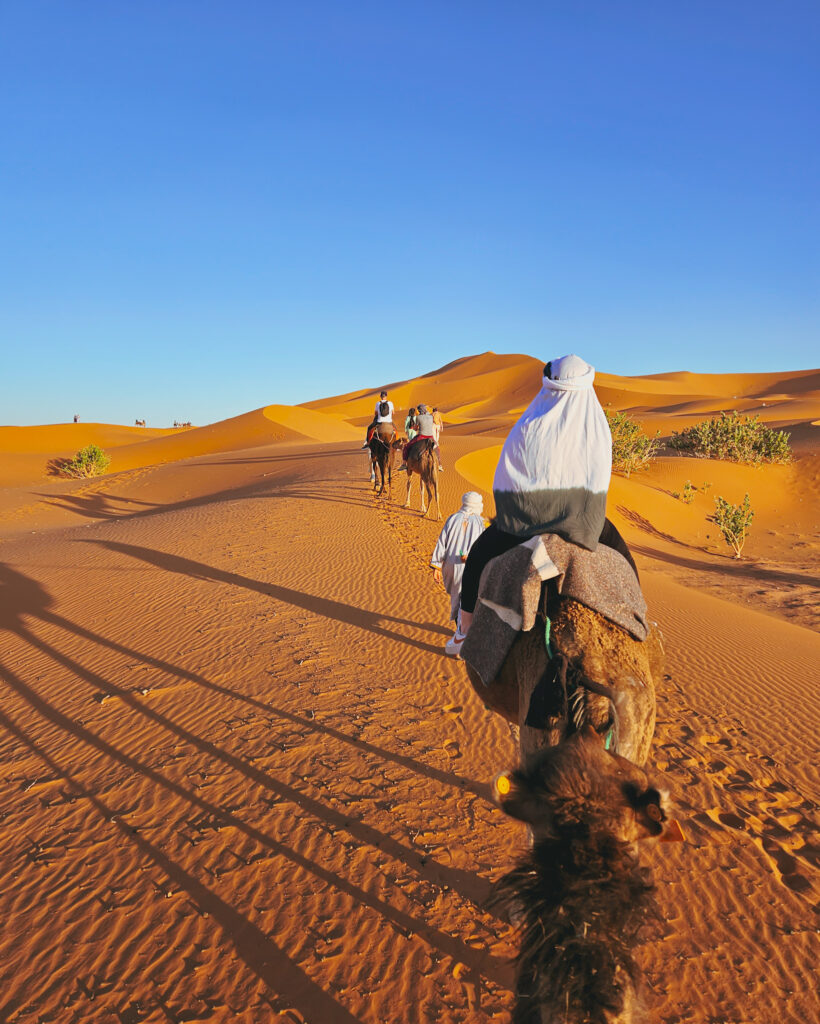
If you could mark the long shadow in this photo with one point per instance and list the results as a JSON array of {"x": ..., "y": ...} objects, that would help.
[
  {"x": 98, "y": 505},
  {"x": 448, "y": 945},
  {"x": 35, "y": 601},
  {"x": 325, "y": 606},
  {"x": 732, "y": 567},
  {"x": 20, "y": 595},
  {"x": 256, "y": 949},
  {"x": 257, "y": 459},
  {"x": 468, "y": 884}
]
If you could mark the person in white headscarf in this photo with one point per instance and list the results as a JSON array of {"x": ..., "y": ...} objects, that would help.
[
  {"x": 459, "y": 533},
  {"x": 552, "y": 477}
]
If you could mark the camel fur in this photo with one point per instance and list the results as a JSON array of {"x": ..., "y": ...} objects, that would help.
[
  {"x": 580, "y": 896},
  {"x": 609, "y": 676}
]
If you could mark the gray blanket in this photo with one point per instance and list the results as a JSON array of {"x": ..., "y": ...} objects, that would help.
[{"x": 510, "y": 591}]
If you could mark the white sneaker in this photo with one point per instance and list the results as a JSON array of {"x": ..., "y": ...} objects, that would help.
[
  {"x": 365, "y": 445},
  {"x": 453, "y": 646},
  {"x": 441, "y": 469}
]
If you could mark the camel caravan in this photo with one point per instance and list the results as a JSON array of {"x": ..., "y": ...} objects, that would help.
[
  {"x": 553, "y": 630},
  {"x": 420, "y": 453}
]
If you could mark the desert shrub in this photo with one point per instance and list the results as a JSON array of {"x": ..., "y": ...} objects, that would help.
[
  {"x": 687, "y": 495},
  {"x": 631, "y": 447},
  {"x": 89, "y": 461},
  {"x": 733, "y": 521},
  {"x": 735, "y": 438}
]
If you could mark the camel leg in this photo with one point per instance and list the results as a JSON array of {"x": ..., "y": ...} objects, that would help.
[
  {"x": 409, "y": 486},
  {"x": 422, "y": 488}
]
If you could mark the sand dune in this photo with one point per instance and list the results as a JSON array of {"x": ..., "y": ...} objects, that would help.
[
  {"x": 26, "y": 451},
  {"x": 240, "y": 782}
]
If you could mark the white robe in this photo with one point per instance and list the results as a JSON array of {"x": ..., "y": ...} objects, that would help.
[
  {"x": 459, "y": 533},
  {"x": 554, "y": 469}
]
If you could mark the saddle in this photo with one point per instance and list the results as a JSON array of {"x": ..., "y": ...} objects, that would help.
[
  {"x": 554, "y": 653},
  {"x": 415, "y": 446}
]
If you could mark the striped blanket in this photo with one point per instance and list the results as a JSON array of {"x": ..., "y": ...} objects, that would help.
[{"x": 510, "y": 592}]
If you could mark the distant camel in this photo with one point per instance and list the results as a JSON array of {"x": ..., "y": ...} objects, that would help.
[
  {"x": 139, "y": 423},
  {"x": 581, "y": 895},
  {"x": 421, "y": 459},
  {"x": 382, "y": 447}
]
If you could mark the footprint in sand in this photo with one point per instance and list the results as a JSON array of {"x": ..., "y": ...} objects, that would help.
[
  {"x": 452, "y": 749},
  {"x": 452, "y": 710}
]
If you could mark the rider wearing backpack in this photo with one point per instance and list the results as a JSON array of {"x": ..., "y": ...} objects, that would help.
[{"x": 383, "y": 413}]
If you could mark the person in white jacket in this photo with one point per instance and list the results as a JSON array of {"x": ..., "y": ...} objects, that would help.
[{"x": 459, "y": 533}]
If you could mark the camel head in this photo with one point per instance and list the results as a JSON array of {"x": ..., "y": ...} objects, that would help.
[{"x": 578, "y": 789}]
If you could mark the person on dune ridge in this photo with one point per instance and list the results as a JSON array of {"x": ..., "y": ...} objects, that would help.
[
  {"x": 552, "y": 477},
  {"x": 459, "y": 533}
]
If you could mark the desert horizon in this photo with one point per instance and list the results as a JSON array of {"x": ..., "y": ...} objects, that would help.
[{"x": 242, "y": 781}]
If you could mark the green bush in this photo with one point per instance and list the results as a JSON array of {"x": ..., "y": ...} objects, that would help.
[
  {"x": 733, "y": 521},
  {"x": 89, "y": 461},
  {"x": 631, "y": 447},
  {"x": 687, "y": 496},
  {"x": 735, "y": 438}
]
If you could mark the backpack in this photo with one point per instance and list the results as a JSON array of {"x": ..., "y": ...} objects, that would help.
[{"x": 384, "y": 408}]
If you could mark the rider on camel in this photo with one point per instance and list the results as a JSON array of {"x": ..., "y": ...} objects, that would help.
[
  {"x": 552, "y": 477},
  {"x": 383, "y": 413},
  {"x": 425, "y": 425}
]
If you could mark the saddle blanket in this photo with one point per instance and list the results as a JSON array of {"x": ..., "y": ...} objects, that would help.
[
  {"x": 407, "y": 449},
  {"x": 510, "y": 593}
]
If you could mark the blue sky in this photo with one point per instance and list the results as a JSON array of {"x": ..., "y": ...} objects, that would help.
[{"x": 210, "y": 206}]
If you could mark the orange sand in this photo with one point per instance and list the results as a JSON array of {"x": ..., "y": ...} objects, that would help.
[{"x": 241, "y": 782}]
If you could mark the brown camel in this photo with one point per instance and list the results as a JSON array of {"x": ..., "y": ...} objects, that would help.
[
  {"x": 598, "y": 674},
  {"x": 586, "y": 714},
  {"x": 581, "y": 894},
  {"x": 382, "y": 446},
  {"x": 421, "y": 459}
]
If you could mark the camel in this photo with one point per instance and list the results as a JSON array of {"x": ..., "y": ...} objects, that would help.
[
  {"x": 586, "y": 715},
  {"x": 580, "y": 896},
  {"x": 598, "y": 674},
  {"x": 421, "y": 459},
  {"x": 382, "y": 446},
  {"x": 139, "y": 423}
]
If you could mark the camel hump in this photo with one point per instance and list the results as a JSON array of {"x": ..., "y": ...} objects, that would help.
[{"x": 627, "y": 668}]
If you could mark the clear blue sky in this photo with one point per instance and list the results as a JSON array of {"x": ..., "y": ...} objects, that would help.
[{"x": 209, "y": 206}]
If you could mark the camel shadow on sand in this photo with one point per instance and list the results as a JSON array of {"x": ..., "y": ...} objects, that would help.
[
  {"x": 362, "y": 618},
  {"x": 24, "y": 600}
]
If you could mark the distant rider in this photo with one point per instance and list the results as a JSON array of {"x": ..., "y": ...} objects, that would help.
[
  {"x": 383, "y": 413},
  {"x": 438, "y": 426},
  {"x": 425, "y": 428}
]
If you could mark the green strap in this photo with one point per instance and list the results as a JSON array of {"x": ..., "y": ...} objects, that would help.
[{"x": 547, "y": 637}]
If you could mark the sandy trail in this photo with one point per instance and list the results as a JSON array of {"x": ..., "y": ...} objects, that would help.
[{"x": 240, "y": 781}]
